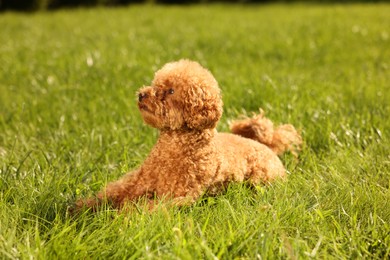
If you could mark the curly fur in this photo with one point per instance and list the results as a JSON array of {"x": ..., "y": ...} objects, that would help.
[
  {"x": 280, "y": 139},
  {"x": 190, "y": 157}
]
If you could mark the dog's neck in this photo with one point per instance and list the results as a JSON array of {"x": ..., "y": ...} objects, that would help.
[{"x": 187, "y": 137}]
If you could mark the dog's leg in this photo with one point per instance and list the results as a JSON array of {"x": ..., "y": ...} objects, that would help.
[
  {"x": 266, "y": 171},
  {"x": 115, "y": 193},
  {"x": 183, "y": 201}
]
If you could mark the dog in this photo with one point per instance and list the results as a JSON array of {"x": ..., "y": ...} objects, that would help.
[{"x": 190, "y": 157}]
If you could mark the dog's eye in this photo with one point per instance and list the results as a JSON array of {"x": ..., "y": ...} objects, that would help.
[{"x": 171, "y": 91}]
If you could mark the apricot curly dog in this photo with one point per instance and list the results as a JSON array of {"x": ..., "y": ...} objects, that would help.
[{"x": 190, "y": 157}]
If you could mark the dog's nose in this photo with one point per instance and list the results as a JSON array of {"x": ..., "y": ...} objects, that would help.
[{"x": 142, "y": 96}]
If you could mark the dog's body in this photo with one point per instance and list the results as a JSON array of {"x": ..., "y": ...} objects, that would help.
[
  {"x": 204, "y": 165},
  {"x": 190, "y": 156}
]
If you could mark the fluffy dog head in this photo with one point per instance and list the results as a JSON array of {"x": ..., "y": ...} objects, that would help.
[{"x": 183, "y": 95}]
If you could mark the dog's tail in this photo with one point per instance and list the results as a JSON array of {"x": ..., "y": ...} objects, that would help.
[{"x": 259, "y": 128}]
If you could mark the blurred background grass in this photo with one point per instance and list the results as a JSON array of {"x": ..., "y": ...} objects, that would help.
[{"x": 40, "y": 5}]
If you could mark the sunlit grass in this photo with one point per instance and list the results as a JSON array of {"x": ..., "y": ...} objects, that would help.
[{"x": 69, "y": 124}]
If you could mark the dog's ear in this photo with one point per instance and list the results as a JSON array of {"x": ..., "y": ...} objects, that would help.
[{"x": 203, "y": 108}]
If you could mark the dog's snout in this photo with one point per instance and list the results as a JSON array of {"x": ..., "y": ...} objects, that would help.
[{"x": 142, "y": 96}]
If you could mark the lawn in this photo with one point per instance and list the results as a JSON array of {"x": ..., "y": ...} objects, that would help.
[{"x": 69, "y": 124}]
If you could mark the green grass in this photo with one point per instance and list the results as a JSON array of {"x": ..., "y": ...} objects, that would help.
[{"x": 69, "y": 124}]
